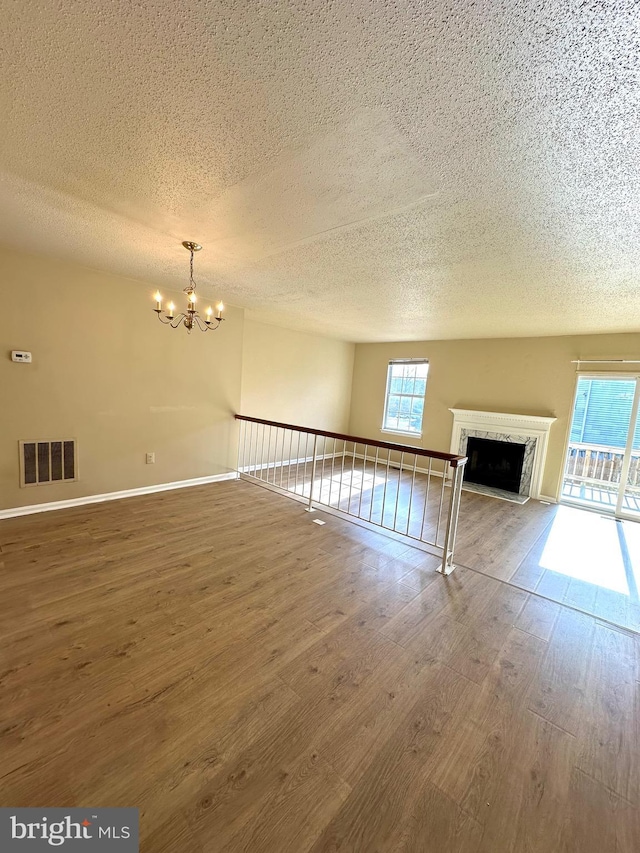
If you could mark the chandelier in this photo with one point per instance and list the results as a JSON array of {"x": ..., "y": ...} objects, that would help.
[{"x": 190, "y": 319}]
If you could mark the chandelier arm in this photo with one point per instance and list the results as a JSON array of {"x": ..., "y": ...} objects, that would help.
[
  {"x": 177, "y": 320},
  {"x": 209, "y": 325}
]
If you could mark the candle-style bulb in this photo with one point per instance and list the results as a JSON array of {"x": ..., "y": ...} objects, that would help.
[
  {"x": 209, "y": 312},
  {"x": 220, "y": 309},
  {"x": 158, "y": 298},
  {"x": 171, "y": 308}
]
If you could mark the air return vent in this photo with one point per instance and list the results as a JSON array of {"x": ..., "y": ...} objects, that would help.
[{"x": 48, "y": 462}]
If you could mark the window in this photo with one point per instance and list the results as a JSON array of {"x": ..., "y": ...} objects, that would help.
[
  {"x": 602, "y": 412},
  {"x": 404, "y": 400}
]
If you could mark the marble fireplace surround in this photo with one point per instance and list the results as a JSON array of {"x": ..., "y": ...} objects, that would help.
[{"x": 530, "y": 430}]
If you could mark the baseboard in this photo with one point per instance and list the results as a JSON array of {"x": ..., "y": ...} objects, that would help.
[
  {"x": 546, "y": 499},
  {"x": 13, "y": 512},
  {"x": 304, "y": 460},
  {"x": 289, "y": 463},
  {"x": 396, "y": 465}
]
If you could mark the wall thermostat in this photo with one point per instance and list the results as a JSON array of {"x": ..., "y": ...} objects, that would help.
[{"x": 20, "y": 355}]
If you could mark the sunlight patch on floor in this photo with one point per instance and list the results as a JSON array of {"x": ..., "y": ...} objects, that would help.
[{"x": 585, "y": 546}]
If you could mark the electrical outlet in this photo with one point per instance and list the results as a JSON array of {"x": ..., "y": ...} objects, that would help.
[{"x": 151, "y": 458}]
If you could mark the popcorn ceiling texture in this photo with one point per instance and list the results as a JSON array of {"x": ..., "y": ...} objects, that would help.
[{"x": 369, "y": 170}]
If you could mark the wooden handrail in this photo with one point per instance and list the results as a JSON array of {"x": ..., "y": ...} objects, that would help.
[
  {"x": 601, "y": 448},
  {"x": 453, "y": 460}
]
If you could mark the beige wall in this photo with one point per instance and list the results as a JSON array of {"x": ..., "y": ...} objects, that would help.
[
  {"x": 295, "y": 377},
  {"x": 106, "y": 372},
  {"x": 525, "y": 376}
]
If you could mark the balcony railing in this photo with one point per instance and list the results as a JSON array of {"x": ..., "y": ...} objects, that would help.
[
  {"x": 595, "y": 465},
  {"x": 408, "y": 492}
]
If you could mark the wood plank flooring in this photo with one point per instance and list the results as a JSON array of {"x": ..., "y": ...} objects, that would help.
[
  {"x": 572, "y": 556},
  {"x": 255, "y": 682}
]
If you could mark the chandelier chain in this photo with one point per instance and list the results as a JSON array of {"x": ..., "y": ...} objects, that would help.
[{"x": 192, "y": 285}]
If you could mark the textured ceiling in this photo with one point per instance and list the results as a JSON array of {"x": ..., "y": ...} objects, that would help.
[{"x": 370, "y": 170}]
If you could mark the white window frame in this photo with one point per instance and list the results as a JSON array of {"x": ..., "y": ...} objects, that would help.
[{"x": 387, "y": 394}]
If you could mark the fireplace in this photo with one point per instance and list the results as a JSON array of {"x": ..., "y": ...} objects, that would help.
[
  {"x": 494, "y": 463},
  {"x": 526, "y": 434}
]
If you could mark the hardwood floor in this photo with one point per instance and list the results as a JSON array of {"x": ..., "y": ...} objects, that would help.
[
  {"x": 572, "y": 556},
  {"x": 255, "y": 682}
]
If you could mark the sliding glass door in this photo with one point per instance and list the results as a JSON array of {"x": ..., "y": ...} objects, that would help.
[
  {"x": 629, "y": 495},
  {"x": 602, "y": 469}
]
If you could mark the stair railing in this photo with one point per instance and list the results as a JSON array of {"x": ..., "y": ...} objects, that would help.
[{"x": 406, "y": 492}]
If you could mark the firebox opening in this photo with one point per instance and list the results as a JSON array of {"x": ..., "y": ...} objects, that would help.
[{"x": 494, "y": 463}]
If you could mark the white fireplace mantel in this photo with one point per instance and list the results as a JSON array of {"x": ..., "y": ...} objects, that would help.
[{"x": 532, "y": 429}]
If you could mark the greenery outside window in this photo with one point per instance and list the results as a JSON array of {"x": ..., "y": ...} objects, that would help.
[{"x": 404, "y": 398}]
